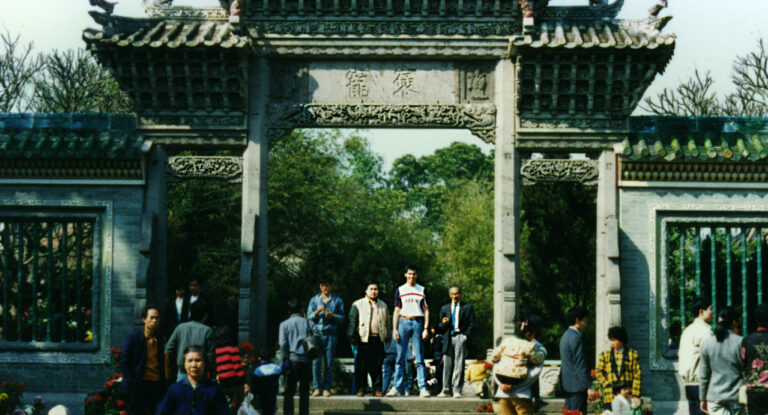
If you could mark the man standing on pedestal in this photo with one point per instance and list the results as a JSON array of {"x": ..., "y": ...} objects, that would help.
[
  {"x": 410, "y": 323},
  {"x": 326, "y": 311},
  {"x": 574, "y": 375},
  {"x": 456, "y": 322},
  {"x": 689, "y": 353},
  {"x": 368, "y": 329}
]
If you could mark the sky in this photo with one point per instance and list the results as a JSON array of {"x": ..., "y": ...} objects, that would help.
[{"x": 710, "y": 35}]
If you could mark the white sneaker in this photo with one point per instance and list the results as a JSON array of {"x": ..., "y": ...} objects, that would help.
[
  {"x": 456, "y": 394},
  {"x": 393, "y": 392},
  {"x": 442, "y": 395},
  {"x": 424, "y": 393}
]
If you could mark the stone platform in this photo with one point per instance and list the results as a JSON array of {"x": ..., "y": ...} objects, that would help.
[{"x": 351, "y": 405}]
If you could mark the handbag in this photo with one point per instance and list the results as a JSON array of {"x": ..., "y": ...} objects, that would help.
[{"x": 312, "y": 344}]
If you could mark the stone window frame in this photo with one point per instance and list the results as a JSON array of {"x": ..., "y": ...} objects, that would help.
[
  {"x": 102, "y": 213},
  {"x": 661, "y": 218}
]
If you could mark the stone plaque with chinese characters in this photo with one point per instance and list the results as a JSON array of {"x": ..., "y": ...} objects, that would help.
[{"x": 382, "y": 83}]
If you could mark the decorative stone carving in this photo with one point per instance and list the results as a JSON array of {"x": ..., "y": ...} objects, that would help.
[
  {"x": 480, "y": 119},
  {"x": 487, "y": 28},
  {"x": 356, "y": 86},
  {"x": 194, "y": 167},
  {"x": 582, "y": 171},
  {"x": 550, "y": 376},
  {"x": 475, "y": 83},
  {"x": 575, "y": 123},
  {"x": 199, "y": 121}
]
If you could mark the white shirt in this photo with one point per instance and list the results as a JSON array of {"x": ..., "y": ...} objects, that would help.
[
  {"x": 179, "y": 305},
  {"x": 193, "y": 298},
  {"x": 620, "y": 406},
  {"x": 455, "y": 310},
  {"x": 690, "y": 350},
  {"x": 411, "y": 300}
]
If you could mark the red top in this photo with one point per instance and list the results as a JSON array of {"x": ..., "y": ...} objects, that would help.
[{"x": 229, "y": 368}]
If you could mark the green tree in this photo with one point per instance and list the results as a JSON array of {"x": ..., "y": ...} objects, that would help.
[{"x": 466, "y": 253}]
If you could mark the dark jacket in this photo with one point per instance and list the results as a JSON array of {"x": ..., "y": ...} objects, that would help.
[
  {"x": 207, "y": 305},
  {"x": 466, "y": 322},
  {"x": 169, "y": 319},
  {"x": 208, "y": 399},
  {"x": 134, "y": 357},
  {"x": 574, "y": 375}
]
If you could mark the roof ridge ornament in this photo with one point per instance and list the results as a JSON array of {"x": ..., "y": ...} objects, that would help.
[
  {"x": 107, "y": 6},
  {"x": 658, "y": 7}
]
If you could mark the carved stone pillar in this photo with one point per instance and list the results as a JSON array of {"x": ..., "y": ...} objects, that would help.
[
  {"x": 506, "y": 258},
  {"x": 252, "y": 307},
  {"x": 608, "y": 295}
]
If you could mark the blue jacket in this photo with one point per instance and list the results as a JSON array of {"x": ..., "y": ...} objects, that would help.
[
  {"x": 208, "y": 398},
  {"x": 326, "y": 326},
  {"x": 574, "y": 375},
  {"x": 134, "y": 357}
]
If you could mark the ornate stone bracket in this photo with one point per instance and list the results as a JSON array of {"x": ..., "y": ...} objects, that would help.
[
  {"x": 582, "y": 171},
  {"x": 480, "y": 119},
  {"x": 196, "y": 167}
]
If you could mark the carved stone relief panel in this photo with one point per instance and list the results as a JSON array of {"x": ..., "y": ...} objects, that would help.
[
  {"x": 203, "y": 167},
  {"x": 582, "y": 171},
  {"x": 475, "y": 82},
  {"x": 381, "y": 83},
  {"x": 480, "y": 119}
]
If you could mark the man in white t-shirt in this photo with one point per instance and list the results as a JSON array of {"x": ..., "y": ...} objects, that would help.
[
  {"x": 410, "y": 322},
  {"x": 690, "y": 350}
]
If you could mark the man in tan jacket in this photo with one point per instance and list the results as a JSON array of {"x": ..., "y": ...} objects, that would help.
[
  {"x": 690, "y": 351},
  {"x": 369, "y": 329}
]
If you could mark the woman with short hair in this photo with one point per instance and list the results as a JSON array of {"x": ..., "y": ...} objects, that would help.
[{"x": 196, "y": 393}]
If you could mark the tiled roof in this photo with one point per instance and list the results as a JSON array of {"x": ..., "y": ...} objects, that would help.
[
  {"x": 69, "y": 136},
  {"x": 597, "y": 34},
  {"x": 155, "y": 33},
  {"x": 697, "y": 139}
]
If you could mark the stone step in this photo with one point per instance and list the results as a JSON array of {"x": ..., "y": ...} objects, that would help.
[{"x": 351, "y": 405}]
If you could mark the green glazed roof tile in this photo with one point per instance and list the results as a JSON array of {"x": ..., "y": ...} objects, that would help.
[
  {"x": 69, "y": 136},
  {"x": 697, "y": 139}
]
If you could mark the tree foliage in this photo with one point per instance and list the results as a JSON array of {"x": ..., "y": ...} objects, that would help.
[
  {"x": 72, "y": 81},
  {"x": 17, "y": 68},
  {"x": 61, "y": 81},
  {"x": 695, "y": 97}
]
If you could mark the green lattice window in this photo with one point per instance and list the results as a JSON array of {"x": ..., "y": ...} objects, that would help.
[
  {"x": 723, "y": 262},
  {"x": 47, "y": 280}
]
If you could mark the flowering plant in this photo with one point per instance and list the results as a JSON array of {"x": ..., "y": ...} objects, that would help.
[
  {"x": 599, "y": 393},
  {"x": 10, "y": 400},
  {"x": 248, "y": 360},
  {"x": 107, "y": 401},
  {"x": 567, "y": 411},
  {"x": 487, "y": 408}
]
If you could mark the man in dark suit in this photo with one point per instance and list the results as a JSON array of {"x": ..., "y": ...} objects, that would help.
[
  {"x": 574, "y": 375},
  {"x": 142, "y": 365},
  {"x": 457, "y": 319},
  {"x": 176, "y": 311},
  {"x": 196, "y": 294}
]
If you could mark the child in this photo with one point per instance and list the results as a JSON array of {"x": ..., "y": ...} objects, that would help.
[
  {"x": 514, "y": 356},
  {"x": 266, "y": 382},
  {"x": 390, "y": 357},
  {"x": 621, "y": 404},
  {"x": 229, "y": 367},
  {"x": 476, "y": 376}
]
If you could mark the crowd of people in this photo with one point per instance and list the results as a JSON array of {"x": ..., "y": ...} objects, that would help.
[{"x": 206, "y": 376}]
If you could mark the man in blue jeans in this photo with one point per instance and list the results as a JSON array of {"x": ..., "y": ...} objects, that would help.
[
  {"x": 326, "y": 311},
  {"x": 410, "y": 323}
]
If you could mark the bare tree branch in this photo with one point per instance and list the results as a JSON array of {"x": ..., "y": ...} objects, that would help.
[
  {"x": 693, "y": 98},
  {"x": 17, "y": 67},
  {"x": 74, "y": 82}
]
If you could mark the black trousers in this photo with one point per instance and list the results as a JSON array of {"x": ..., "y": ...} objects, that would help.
[
  {"x": 301, "y": 374},
  {"x": 692, "y": 395},
  {"x": 144, "y": 397},
  {"x": 576, "y": 401},
  {"x": 369, "y": 360},
  {"x": 757, "y": 402}
]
